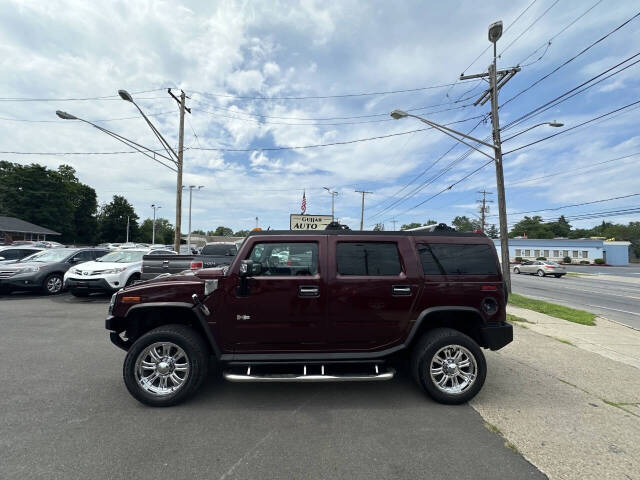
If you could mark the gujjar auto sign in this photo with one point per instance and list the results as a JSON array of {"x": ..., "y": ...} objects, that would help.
[{"x": 309, "y": 222}]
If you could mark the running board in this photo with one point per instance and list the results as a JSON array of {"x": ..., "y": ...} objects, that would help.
[{"x": 378, "y": 374}]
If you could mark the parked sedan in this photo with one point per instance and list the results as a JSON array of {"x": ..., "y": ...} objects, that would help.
[
  {"x": 45, "y": 270},
  {"x": 541, "y": 268},
  {"x": 12, "y": 254}
]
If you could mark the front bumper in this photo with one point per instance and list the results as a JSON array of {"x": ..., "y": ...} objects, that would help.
[
  {"x": 89, "y": 284},
  {"x": 117, "y": 326},
  {"x": 496, "y": 335},
  {"x": 21, "y": 282}
]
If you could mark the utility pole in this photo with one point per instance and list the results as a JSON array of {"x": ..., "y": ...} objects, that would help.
[
  {"x": 363, "y": 192},
  {"x": 257, "y": 222},
  {"x": 497, "y": 80},
  {"x": 127, "y": 229},
  {"x": 484, "y": 209},
  {"x": 393, "y": 220},
  {"x": 181, "y": 102},
  {"x": 153, "y": 230}
]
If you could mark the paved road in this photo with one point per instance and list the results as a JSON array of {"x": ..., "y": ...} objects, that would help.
[
  {"x": 66, "y": 414},
  {"x": 616, "y": 300},
  {"x": 632, "y": 270}
]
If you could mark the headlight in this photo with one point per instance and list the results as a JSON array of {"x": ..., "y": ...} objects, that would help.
[
  {"x": 28, "y": 269},
  {"x": 115, "y": 270},
  {"x": 76, "y": 271},
  {"x": 112, "y": 303}
]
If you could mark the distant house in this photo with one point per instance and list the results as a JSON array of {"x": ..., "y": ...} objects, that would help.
[
  {"x": 12, "y": 229},
  {"x": 579, "y": 249}
]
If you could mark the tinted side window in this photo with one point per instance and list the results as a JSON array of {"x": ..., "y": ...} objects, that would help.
[
  {"x": 288, "y": 259},
  {"x": 368, "y": 258},
  {"x": 99, "y": 253},
  {"x": 25, "y": 252},
  {"x": 10, "y": 254},
  {"x": 457, "y": 259},
  {"x": 84, "y": 256}
]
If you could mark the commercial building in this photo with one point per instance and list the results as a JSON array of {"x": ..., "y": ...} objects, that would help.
[
  {"x": 579, "y": 250},
  {"x": 12, "y": 229}
]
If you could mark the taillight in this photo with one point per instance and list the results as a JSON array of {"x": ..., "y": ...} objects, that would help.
[
  {"x": 488, "y": 288},
  {"x": 549, "y": 266},
  {"x": 196, "y": 265}
]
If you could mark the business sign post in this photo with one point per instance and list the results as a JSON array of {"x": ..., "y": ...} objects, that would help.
[{"x": 309, "y": 222}]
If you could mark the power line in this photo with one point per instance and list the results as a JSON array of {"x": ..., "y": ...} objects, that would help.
[
  {"x": 322, "y": 97},
  {"x": 98, "y": 120},
  {"x": 573, "y": 128},
  {"x": 79, "y": 99},
  {"x": 554, "y": 102},
  {"x": 528, "y": 28},
  {"x": 582, "y": 169},
  {"x": 566, "y": 62},
  {"x": 591, "y": 215},
  {"x": 553, "y": 209},
  {"x": 548, "y": 43}
]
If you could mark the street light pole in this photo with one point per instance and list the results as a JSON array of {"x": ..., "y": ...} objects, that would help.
[
  {"x": 153, "y": 230},
  {"x": 191, "y": 187},
  {"x": 333, "y": 196}
]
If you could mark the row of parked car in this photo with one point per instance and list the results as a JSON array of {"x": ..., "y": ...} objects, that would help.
[{"x": 105, "y": 268}]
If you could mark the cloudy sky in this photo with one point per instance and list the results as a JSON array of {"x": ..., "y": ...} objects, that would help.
[{"x": 263, "y": 77}]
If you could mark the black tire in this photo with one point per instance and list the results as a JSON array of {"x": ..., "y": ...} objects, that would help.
[
  {"x": 516, "y": 271},
  {"x": 53, "y": 284},
  {"x": 198, "y": 357},
  {"x": 79, "y": 293},
  {"x": 428, "y": 346},
  {"x": 131, "y": 279},
  {"x": 541, "y": 273},
  {"x": 558, "y": 276}
]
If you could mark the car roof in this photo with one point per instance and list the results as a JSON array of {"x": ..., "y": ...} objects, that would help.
[{"x": 367, "y": 233}]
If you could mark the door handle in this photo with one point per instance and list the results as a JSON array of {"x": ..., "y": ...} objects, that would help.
[
  {"x": 308, "y": 291},
  {"x": 401, "y": 291}
]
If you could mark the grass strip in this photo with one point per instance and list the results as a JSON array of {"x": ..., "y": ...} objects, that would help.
[{"x": 553, "y": 310}]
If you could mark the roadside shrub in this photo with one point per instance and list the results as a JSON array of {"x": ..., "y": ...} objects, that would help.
[
  {"x": 599, "y": 261},
  {"x": 518, "y": 259},
  {"x": 584, "y": 262},
  {"x": 566, "y": 260},
  {"x": 541, "y": 258}
]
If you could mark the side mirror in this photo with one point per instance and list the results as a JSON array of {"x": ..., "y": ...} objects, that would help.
[{"x": 250, "y": 269}]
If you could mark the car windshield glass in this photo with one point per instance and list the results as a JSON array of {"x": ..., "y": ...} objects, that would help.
[
  {"x": 125, "y": 256},
  {"x": 49, "y": 256}
]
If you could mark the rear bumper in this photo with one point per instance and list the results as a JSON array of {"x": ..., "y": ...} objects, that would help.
[{"x": 496, "y": 335}]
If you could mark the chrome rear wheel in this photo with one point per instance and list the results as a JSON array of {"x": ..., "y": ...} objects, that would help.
[{"x": 453, "y": 369}]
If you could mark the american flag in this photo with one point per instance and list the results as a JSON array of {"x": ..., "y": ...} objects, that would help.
[{"x": 303, "y": 206}]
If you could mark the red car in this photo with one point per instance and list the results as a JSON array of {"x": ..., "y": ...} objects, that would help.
[{"x": 319, "y": 306}]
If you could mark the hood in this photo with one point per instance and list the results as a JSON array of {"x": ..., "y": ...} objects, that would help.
[{"x": 99, "y": 266}]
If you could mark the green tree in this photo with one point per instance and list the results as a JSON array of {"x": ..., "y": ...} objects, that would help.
[
  {"x": 164, "y": 231},
  {"x": 531, "y": 227},
  {"x": 464, "y": 224},
  {"x": 492, "y": 232},
  {"x": 221, "y": 232},
  {"x": 379, "y": 227},
  {"x": 241, "y": 233},
  {"x": 198, "y": 232},
  {"x": 560, "y": 228},
  {"x": 112, "y": 220}
]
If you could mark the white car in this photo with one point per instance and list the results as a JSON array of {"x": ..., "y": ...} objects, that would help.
[{"x": 108, "y": 273}]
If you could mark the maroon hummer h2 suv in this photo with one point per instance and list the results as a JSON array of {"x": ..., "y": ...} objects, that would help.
[{"x": 319, "y": 306}]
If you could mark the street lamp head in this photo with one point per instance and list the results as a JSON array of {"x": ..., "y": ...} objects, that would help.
[
  {"x": 398, "y": 114},
  {"x": 125, "y": 95},
  {"x": 495, "y": 31},
  {"x": 556, "y": 124},
  {"x": 65, "y": 115}
]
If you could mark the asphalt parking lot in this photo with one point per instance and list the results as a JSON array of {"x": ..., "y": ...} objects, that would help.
[{"x": 66, "y": 414}]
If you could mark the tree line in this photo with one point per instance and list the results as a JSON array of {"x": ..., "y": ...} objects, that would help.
[{"x": 57, "y": 200}]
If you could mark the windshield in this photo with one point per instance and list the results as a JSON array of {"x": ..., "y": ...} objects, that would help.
[
  {"x": 53, "y": 255},
  {"x": 122, "y": 257}
]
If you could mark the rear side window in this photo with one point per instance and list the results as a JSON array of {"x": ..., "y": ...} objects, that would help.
[
  {"x": 220, "y": 249},
  {"x": 10, "y": 254},
  {"x": 457, "y": 259},
  {"x": 368, "y": 258}
]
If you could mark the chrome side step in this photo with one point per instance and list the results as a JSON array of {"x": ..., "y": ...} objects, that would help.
[{"x": 378, "y": 374}]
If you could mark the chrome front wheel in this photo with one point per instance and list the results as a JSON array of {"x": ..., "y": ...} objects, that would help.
[{"x": 162, "y": 368}]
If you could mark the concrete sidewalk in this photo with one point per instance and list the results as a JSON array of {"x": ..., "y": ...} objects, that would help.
[
  {"x": 609, "y": 339},
  {"x": 573, "y": 413}
]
